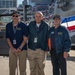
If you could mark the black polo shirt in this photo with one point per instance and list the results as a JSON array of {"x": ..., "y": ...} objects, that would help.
[{"x": 21, "y": 30}]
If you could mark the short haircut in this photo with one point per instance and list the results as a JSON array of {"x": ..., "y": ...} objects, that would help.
[
  {"x": 40, "y": 13},
  {"x": 56, "y": 16}
]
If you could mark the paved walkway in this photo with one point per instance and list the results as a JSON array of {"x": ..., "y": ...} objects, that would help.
[{"x": 4, "y": 70}]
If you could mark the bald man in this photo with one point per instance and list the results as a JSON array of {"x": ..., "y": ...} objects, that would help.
[{"x": 37, "y": 44}]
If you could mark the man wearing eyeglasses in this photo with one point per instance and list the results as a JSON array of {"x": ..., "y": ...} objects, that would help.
[{"x": 17, "y": 36}]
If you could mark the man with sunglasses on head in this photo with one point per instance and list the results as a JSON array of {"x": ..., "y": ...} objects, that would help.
[{"x": 17, "y": 36}]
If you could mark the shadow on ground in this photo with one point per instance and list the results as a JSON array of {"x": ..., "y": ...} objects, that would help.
[{"x": 70, "y": 58}]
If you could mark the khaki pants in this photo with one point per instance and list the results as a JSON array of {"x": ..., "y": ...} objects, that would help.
[
  {"x": 13, "y": 62},
  {"x": 36, "y": 60}
]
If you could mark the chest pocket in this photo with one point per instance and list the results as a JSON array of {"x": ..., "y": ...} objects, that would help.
[{"x": 19, "y": 32}]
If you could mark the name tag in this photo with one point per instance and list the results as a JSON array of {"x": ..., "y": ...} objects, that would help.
[
  {"x": 52, "y": 32},
  {"x": 14, "y": 41},
  {"x": 35, "y": 40}
]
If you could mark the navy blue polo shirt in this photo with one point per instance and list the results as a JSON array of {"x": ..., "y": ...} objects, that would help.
[{"x": 21, "y": 30}]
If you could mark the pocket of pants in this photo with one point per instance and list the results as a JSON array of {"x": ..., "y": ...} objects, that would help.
[{"x": 30, "y": 53}]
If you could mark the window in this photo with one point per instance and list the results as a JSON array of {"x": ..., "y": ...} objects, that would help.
[
  {"x": 3, "y": 3},
  {"x": 7, "y": 4},
  {"x": 11, "y": 4}
]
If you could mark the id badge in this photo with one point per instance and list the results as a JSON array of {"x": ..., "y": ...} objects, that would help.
[
  {"x": 35, "y": 40},
  {"x": 14, "y": 41}
]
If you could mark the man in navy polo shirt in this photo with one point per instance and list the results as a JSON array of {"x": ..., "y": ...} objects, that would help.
[{"x": 17, "y": 36}]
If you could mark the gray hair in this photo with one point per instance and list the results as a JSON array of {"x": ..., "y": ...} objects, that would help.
[{"x": 40, "y": 13}]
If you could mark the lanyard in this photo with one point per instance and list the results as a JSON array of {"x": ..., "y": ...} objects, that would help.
[{"x": 15, "y": 28}]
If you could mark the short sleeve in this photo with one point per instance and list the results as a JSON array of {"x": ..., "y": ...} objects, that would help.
[
  {"x": 25, "y": 31},
  {"x": 7, "y": 31}
]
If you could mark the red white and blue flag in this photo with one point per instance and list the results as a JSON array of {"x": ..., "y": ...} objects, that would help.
[{"x": 69, "y": 22}]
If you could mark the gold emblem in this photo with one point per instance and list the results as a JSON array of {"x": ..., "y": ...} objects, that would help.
[
  {"x": 18, "y": 28},
  {"x": 59, "y": 33}
]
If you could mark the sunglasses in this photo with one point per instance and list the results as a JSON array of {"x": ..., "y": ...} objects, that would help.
[{"x": 15, "y": 15}]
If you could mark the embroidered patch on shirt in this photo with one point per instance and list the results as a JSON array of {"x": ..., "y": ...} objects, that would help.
[
  {"x": 18, "y": 28},
  {"x": 52, "y": 32},
  {"x": 59, "y": 33}
]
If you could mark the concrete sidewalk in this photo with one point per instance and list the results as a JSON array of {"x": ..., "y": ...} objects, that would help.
[{"x": 4, "y": 65}]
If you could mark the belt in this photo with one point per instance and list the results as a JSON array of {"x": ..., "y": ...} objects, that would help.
[{"x": 53, "y": 49}]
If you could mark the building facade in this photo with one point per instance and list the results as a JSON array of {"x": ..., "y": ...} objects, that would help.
[
  {"x": 6, "y": 6},
  {"x": 20, "y": 9},
  {"x": 43, "y": 1},
  {"x": 8, "y": 3}
]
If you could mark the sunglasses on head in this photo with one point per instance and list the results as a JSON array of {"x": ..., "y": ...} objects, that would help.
[{"x": 15, "y": 15}]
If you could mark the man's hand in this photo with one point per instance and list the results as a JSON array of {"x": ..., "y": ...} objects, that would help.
[
  {"x": 14, "y": 50},
  {"x": 18, "y": 49},
  {"x": 65, "y": 55}
]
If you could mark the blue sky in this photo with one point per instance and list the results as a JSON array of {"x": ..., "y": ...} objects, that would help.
[{"x": 19, "y": 1}]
